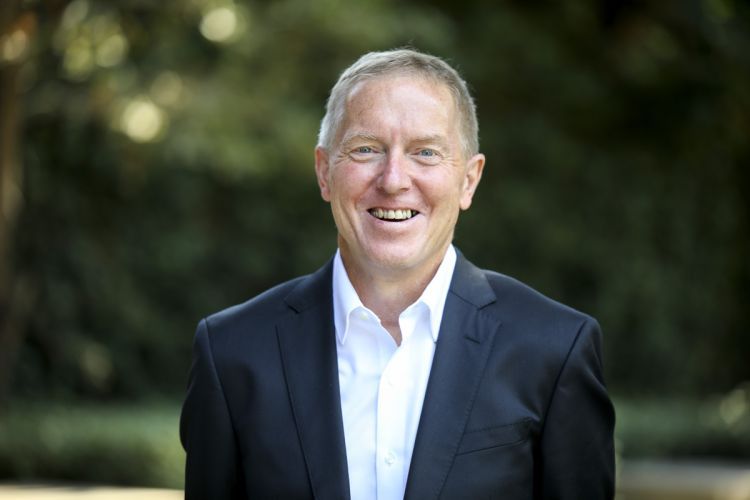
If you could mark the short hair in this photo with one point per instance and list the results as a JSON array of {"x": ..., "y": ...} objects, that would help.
[{"x": 401, "y": 62}]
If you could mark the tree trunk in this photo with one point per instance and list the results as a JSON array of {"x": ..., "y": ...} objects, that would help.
[{"x": 16, "y": 30}]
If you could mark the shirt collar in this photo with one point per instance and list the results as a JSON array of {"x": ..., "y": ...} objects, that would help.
[{"x": 346, "y": 300}]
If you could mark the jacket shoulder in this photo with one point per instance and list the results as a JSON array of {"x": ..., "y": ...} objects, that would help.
[
  {"x": 264, "y": 306},
  {"x": 519, "y": 300},
  {"x": 262, "y": 312}
]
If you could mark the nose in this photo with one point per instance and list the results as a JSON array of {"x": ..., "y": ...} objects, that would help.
[{"x": 394, "y": 176}]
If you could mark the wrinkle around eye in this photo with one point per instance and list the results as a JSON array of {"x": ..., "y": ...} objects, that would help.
[
  {"x": 428, "y": 156},
  {"x": 363, "y": 153}
]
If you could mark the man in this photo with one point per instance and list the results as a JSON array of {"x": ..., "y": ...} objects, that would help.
[{"x": 398, "y": 370}]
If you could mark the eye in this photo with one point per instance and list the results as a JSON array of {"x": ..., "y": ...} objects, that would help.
[
  {"x": 428, "y": 156},
  {"x": 362, "y": 152}
]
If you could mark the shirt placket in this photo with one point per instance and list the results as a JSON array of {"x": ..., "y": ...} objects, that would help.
[
  {"x": 393, "y": 398},
  {"x": 390, "y": 431}
]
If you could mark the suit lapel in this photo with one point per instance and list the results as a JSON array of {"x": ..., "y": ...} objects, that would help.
[
  {"x": 308, "y": 351},
  {"x": 463, "y": 347}
]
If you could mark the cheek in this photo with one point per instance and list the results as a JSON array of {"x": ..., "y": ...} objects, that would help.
[
  {"x": 444, "y": 194},
  {"x": 343, "y": 199},
  {"x": 349, "y": 185}
]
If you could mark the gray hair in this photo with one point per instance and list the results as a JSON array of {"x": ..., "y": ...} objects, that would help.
[{"x": 405, "y": 62}]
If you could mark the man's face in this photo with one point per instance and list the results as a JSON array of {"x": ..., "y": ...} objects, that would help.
[{"x": 396, "y": 175}]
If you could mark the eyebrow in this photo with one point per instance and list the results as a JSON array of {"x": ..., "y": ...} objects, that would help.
[
  {"x": 348, "y": 140},
  {"x": 436, "y": 139}
]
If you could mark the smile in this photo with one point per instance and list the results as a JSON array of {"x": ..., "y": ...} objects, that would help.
[{"x": 392, "y": 215}]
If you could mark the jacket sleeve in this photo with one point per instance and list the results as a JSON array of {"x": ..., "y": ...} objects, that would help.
[
  {"x": 212, "y": 469},
  {"x": 577, "y": 448}
]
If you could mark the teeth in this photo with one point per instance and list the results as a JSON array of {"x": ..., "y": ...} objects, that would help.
[{"x": 392, "y": 214}]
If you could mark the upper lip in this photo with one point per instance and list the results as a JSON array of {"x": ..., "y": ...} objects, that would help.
[{"x": 392, "y": 208}]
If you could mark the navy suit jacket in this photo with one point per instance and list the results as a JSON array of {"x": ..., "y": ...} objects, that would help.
[{"x": 515, "y": 407}]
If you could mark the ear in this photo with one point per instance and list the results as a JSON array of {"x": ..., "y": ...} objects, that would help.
[
  {"x": 472, "y": 176},
  {"x": 321, "y": 172}
]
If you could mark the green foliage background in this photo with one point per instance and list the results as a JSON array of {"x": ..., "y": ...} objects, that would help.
[{"x": 617, "y": 142}]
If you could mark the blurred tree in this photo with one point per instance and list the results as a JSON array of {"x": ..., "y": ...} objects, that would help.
[
  {"x": 169, "y": 173},
  {"x": 167, "y": 153},
  {"x": 619, "y": 131}
]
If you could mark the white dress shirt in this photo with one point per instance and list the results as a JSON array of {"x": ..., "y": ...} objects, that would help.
[{"x": 382, "y": 384}]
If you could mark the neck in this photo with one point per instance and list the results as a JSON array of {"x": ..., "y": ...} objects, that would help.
[{"x": 388, "y": 294}]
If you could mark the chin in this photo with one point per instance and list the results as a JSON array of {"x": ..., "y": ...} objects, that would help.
[{"x": 395, "y": 260}]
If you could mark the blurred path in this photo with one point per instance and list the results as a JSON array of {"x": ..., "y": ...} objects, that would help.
[
  {"x": 638, "y": 480},
  {"x": 70, "y": 492},
  {"x": 651, "y": 480}
]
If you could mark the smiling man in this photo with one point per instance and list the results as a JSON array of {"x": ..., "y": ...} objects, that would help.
[{"x": 399, "y": 369}]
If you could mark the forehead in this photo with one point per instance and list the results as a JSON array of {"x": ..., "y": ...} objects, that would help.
[
  {"x": 400, "y": 101},
  {"x": 397, "y": 86}
]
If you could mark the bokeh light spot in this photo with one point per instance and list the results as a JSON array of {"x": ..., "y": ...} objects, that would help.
[
  {"x": 734, "y": 406},
  {"x": 111, "y": 51},
  {"x": 74, "y": 14},
  {"x": 14, "y": 46},
  {"x": 96, "y": 365},
  {"x": 142, "y": 120},
  {"x": 79, "y": 59},
  {"x": 218, "y": 25},
  {"x": 167, "y": 89}
]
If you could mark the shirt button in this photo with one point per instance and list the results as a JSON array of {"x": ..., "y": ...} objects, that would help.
[
  {"x": 363, "y": 315},
  {"x": 390, "y": 458}
]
